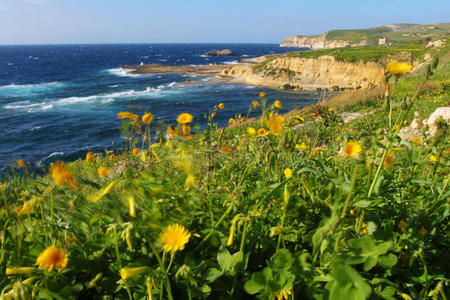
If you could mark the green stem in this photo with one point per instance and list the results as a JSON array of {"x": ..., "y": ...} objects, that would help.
[
  {"x": 214, "y": 227},
  {"x": 349, "y": 195},
  {"x": 116, "y": 247},
  {"x": 166, "y": 276}
]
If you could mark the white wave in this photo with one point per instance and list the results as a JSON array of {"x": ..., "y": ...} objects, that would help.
[
  {"x": 102, "y": 98},
  {"x": 122, "y": 72},
  {"x": 234, "y": 62},
  {"x": 245, "y": 55},
  {"x": 114, "y": 85},
  {"x": 29, "y": 89},
  {"x": 39, "y": 163},
  {"x": 35, "y": 128}
]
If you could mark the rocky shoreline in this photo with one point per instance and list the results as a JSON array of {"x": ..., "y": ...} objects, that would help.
[{"x": 279, "y": 71}]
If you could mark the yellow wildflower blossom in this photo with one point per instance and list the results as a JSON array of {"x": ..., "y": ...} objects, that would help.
[
  {"x": 89, "y": 156},
  {"x": 127, "y": 115},
  {"x": 231, "y": 121},
  {"x": 174, "y": 237},
  {"x": 185, "y": 118},
  {"x": 127, "y": 273},
  {"x": 276, "y": 125},
  {"x": 102, "y": 171},
  {"x": 147, "y": 118},
  {"x": 262, "y": 132},
  {"x": 262, "y": 95},
  {"x": 16, "y": 271},
  {"x": 20, "y": 163},
  {"x": 282, "y": 295},
  {"x": 278, "y": 104},
  {"x": 432, "y": 159},
  {"x": 398, "y": 68},
  {"x": 51, "y": 258},
  {"x": 417, "y": 140},
  {"x": 351, "y": 149},
  {"x": 135, "y": 151},
  {"x": 288, "y": 173},
  {"x": 251, "y": 131},
  {"x": 302, "y": 146},
  {"x": 62, "y": 175},
  {"x": 255, "y": 104},
  {"x": 389, "y": 160},
  {"x": 220, "y": 106}
]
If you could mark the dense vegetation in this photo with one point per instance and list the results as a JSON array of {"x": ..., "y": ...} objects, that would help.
[{"x": 303, "y": 207}]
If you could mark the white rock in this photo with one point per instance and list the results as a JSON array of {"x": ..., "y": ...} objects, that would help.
[
  {"x": 438, "y": 114},
  {"x": 416, "y": 123}
]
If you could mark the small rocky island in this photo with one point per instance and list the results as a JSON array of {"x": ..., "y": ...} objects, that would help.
[{"x": 225, "y": 52}]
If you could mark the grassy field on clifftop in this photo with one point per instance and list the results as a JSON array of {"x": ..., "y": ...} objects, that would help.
[{"x": 298, "y": 207}]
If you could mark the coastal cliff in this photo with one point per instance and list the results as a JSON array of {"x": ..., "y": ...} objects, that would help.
[
  {"x": 319, "y": 42},
  {"x": 322, "y": 73}
]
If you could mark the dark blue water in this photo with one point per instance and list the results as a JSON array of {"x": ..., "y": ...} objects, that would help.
[{"x": 58, "y": 102}]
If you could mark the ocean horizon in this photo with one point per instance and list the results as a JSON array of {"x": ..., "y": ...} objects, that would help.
[{"x": 59, "y": 101}]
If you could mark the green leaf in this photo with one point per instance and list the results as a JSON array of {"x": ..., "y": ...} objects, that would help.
[
  {"x": 362, "y": 204},
  {"x": 227, "y": 261},
  {"x": 388, "y": 261},
  {"x": 282, "y": 260},
  {"x": 388, "y": 293},
  {"x": 255, "y": 284},
  {"x": 212, "y": 274}
]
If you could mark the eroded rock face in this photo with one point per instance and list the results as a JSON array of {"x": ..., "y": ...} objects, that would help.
[
  {"x": 318, "y": 42},
  {"x": 225, "y": 52},
  {"x": 323, "y": 72}
]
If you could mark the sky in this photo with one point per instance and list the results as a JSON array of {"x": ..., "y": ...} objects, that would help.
[{"x": 200, "y": 21}]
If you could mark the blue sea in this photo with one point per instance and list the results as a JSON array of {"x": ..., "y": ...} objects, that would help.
[{"x": 59, "y": 101}]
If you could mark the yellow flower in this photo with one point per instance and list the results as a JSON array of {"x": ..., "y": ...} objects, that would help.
[
  {"x": 127, "y": 273},
  {"x": 389, "y": 160},
  {"x": 251, "y": 131},
  {"x": 127, "y": 115},
  {"x": 352, "y": 212},
  {"x": 262, "y": 132},
  {"x": 364, "y": 229},
  {"x": 330, "y": 109},
  {"x": 288, "y": 173},
  {"x": 89, "y": 156},
  {"x": 351, "y": 149},
  {"x": 283, "y": 294},
  {"x": 171, "y": 131},
  {"x": 231, "y": 121},
  {"x": 51, "y": 258},
  {"x": 417, "y": 140},
  {"x": 432, "y": 159},
  {"x": 190, "y": 181},
  {"x": 262, "y": 95},
  {"x": 135, "y": 151},
  {"x": 302, "y": 146},
  {"x": 278, "y": 104},
  {"x": 398, "y": 68},
  {"x": 102, "y": 171},
  {"x": 221, "y": 106},
  {"x": 26, "y": 208},
  {"x": 186, "y": 129},
  {"x": 62, "y": 175},
  {"x": 147, "y": 118},
  {"x": 276, "y": 125},
  {"x": 15, "y": 271},
  {"x": 174, "y": 238},
  {"x": 112, "y": 157},
  {"x": 185, "y": 118},
  {"x": 255, "y": 104},
  {"x": 20, "y": 163}
]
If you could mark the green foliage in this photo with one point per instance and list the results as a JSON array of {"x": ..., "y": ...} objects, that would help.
[{"x": 339, "y": 227}]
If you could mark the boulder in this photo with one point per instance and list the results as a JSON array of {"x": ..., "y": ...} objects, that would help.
[
  {"x": 225, "y": 52},
  {"x": 440, "y": 114}
]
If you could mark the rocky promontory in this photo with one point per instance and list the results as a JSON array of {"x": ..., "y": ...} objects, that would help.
[
  {"x": 319, "y": 42},
  {"x": 225, "y": 52}
]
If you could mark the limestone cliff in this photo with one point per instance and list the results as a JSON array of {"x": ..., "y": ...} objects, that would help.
[
  {"x": 318, "y": 42},
  {"x": 322, "y": 73}
]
